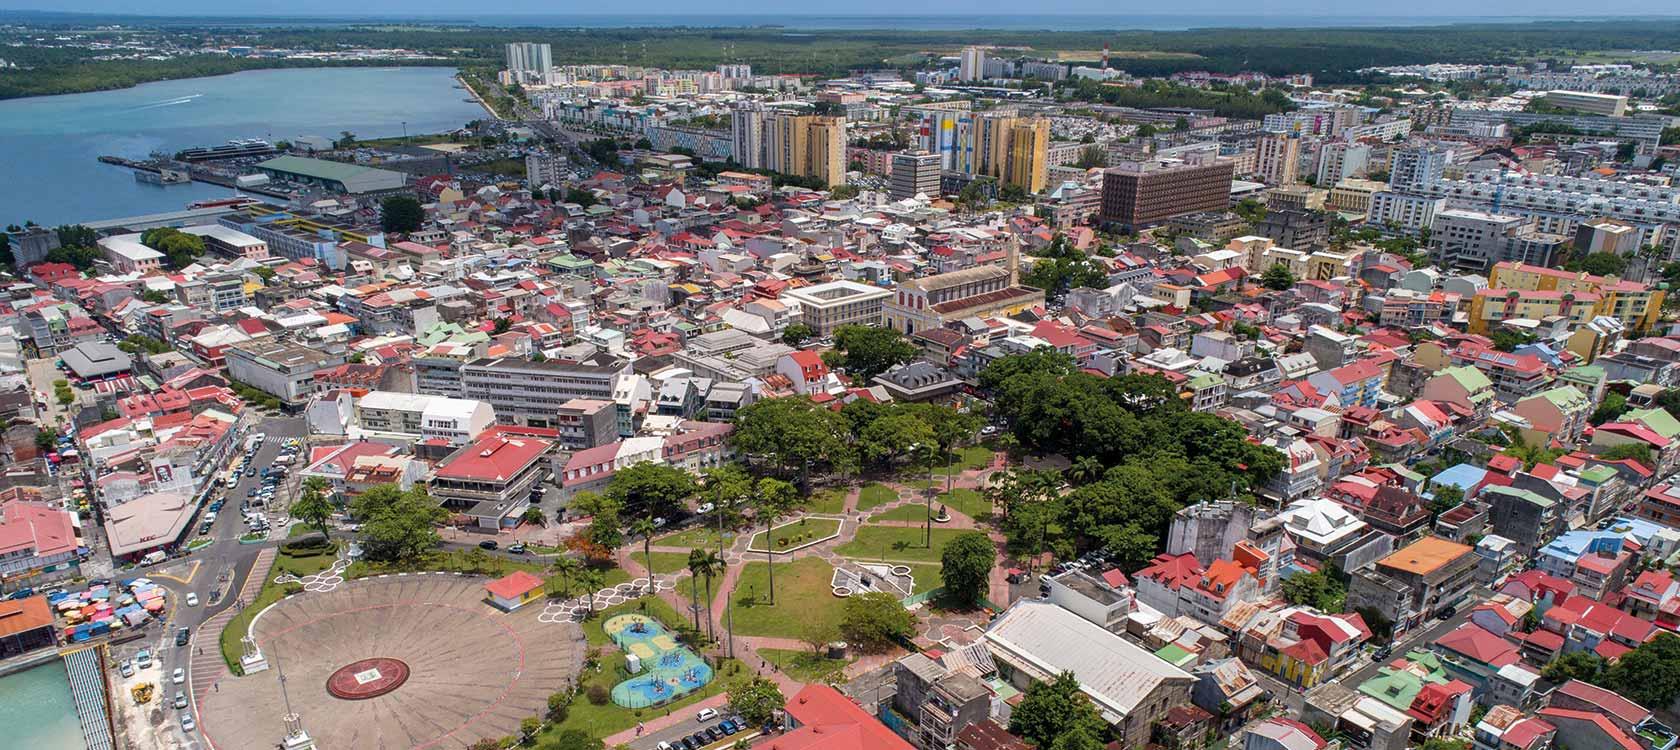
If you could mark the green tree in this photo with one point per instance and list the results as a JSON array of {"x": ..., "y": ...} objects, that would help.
[
  {"x": 797, "y": 334},
  {"x": 1637, "y": 451},
  {"x": 563, "y": 569},
  {"x": 1078, "y": 738},
  {"x": 591, "y": 580},
  {"x": 792, "y": 434},
  {"x": 528, "y": 728},
  {"x": 1650, "y": 674},
  {"x": 898, "y": 434},
  {"x": 1050, "y": 709},
  {"x": 729, "y": 488},
  {"x": 605, "y": 531},
  {"x": 696, "y": 564},
  {"x": 401, "y": 213},
  {"x": 397, "y": 525},
  {"x": 312, "y": 506},
  {"x": 580, "y": 196},
  {"x": 772, "y": 499},
  {"x": 1446, "y": 497},
  {"x": 651, "y": 490},
  {"x": 871, "y": 350},
  {"x": 1278, "y": 277},
  {"x": 1317, "y": 589},
  {"x": 965, "y": 567},
  {"x": 499, "y": 326},
  {"x": 843, "y": 192},
  {"x": 711, "y": 565},
  {"x": 572, "y": 739},
  {"x": 45, "y": 439},
  {"x": 1610, "y": 409},
  {"x": 1598, "y": 264},
  {"x": 1575, "y": 665},
  {"x": 757, "y": 701},
  {"x": 875, "y": 621},
  {"x": 645, "y": 528},
  {"x": 264, "y": 273},
  {"x": 1060, "y": 266}
]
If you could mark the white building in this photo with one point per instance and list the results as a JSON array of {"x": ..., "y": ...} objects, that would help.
[
  {"x": 825, "y": 307},
  {"x": 388, "y": 415}
]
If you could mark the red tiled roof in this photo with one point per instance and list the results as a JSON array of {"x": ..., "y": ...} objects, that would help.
[{"x": 514, "y": 585}]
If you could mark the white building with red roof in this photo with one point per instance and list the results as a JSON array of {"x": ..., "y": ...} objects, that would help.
[
  {"x": 38, "y": 543},
  {"x": 490, "y": 480}
]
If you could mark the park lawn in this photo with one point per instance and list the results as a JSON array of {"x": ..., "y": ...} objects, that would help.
[
  {"x": 909, "y": 513},
  {"x": 875, "y": 494},
  {"x": 830, "y": 500},
  {"x": 804, "y": 666},
  {"x": 271, "y": 592},
  {"x": 803, "y": 596},
  {"x": 927, "y": 577},
  {"x": 702, "y": 536},
  {"x": 452, "y": 561},
  {"x": 901, "y": 543},
  {"x": 794, "y": 533},
  {"x": 603, "y": 720},
  {"x": 664, "y": 563},
  {"x": 968, "y": 502},
  {"x": 972, "y": 458}
]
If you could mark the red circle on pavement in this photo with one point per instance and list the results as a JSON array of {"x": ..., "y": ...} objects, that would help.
[{"x": 367, "y": 678}]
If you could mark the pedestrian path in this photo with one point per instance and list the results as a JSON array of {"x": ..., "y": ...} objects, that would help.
[
  {"x": 566, "y": 610},
  {"x": 207, "y": 667}
]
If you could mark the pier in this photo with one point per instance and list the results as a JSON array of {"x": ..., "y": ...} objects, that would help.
[{"x": 196, "y": 172}]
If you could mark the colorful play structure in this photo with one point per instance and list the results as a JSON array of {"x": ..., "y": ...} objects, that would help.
[{"x": 661, "y": 670}]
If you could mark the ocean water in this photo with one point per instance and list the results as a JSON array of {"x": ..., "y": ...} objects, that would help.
[
  {"x": 949, "y": 22},
  {"x": 49, "y": 145},
  {"x": 37, "y": 711}
]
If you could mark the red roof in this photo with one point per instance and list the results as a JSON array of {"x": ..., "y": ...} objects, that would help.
[
  {"x": 1475, "y": 642},
  {"x": 1604, "y": 725},
  {"x": 493, "y": 459},
  {"x": 828, "y": 720},
  {"x": 514, "y": 585}
]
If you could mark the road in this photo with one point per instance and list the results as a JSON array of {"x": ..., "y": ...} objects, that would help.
[{"x": 210, "y": 572}]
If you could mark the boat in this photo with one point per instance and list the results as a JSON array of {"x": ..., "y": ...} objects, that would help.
[
  {"x": 238, "y": 201},
  {"x": 162, "y": 177},
  {"x": 234, "y": 148}
]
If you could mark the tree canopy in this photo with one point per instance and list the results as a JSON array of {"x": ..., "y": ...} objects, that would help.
[
  {"x": 401, "y": 213},
  {"x": 756, "y": 701},
  {"x": 867, "y": 351},
  {"x": 651, "y": 490},
  {"x": 1650, "y": 674},
  {"x": 792, "y": 435},
  {"x": 1060, "y": 266},
  {"x": 875, "y": 621},
  {"x": 1051, "y": 709},
  {"x": 397, "y": 525},
  {"x": 965, "y": 565}
]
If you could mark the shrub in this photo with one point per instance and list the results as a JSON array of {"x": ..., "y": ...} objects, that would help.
[{"x": 599, "y": 694}]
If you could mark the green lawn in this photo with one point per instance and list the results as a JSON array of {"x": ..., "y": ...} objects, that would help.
[
  {"x": 453, "y": 561},
  {"x": 965, "y": 459},
  {"x": 912, "y": 512},
  {"x": 875, "y": 494},
  {"x": 664, "y": 563},
  {"x": 831, "y": 500},
  {"x": 927, "y": 577},
  {"x": 271, "y": 592},
  {"x": 968, "y": 502},
  {"x": 692, "y": 537},
  {"x": 794, "y": 533},
  {"x": 805, "y": 666},
  {"x": 803, "y": 596},
  {"x": 600, "y": 721},
  {"x": 902, "y": 543}
]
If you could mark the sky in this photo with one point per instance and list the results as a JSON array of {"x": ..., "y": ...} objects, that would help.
[{"x": 1247, "y": 8}]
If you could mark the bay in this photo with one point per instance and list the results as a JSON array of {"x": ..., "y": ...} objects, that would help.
[
  {"x": 37, "y": 711},
  {"x": 49, "y": 145}
]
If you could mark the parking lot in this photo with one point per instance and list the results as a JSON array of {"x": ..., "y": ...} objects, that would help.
[{"x": 706, "y": 729}]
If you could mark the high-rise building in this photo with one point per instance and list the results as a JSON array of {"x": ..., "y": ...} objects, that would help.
[
  {"x": 1277, "y": 158},
  {"x": 529, "y": 62},
  {"x": 808, "y": 145},
  {"x": 746, "y": 127},
  {"x": 1014, "y": 150},
  {"x": 1142, "y": 194},
  {"x": 948, "y": 132},
  {"x": 914, "y": 173},
  {"x": 1415, "y": 168},
  {"x": 542, "y": 168},
  {"x": 971, "y": 66},
  {"x": 1341, "y": 161}
]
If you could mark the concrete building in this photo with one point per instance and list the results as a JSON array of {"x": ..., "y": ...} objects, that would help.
[
  {"x": 1608, "y": 105},
  {"x": 914, "y": 174},
  {"x": 490, "y": 480},
  {"x": 532, "y": 394},
  {"x": 587, "y": 423},
  {"x": 825, "y": 307},
  {"x": 971, "y": 64},
  {"x": 1413, "y": 168},
  {"x": 529, "y": 62},
  {"x": 332, "y": 175},
  {"x": 1416, "y": 582},
  {"x": 412, "y": 417},
  {"x": 283, "y": 370},
  {"x": 1277, "y": 158},
  {"x": 1143, "y": 194},
  {"x": 938, "y": 300},
  {"x": 807, "y": 145},
  {"x": 1474, "y": 241},
  {"x": 746, "y": 129},
  {"x": 126, "y": 255}
]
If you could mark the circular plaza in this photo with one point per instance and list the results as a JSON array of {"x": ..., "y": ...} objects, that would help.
[{"x": 414, "y": 661}]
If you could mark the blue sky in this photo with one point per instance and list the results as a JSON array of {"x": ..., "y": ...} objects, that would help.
[{"x": 864, "y": 7}]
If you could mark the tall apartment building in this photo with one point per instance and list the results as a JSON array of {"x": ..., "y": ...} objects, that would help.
[
  {"x": 971, "y": 64},
  {"x": 531, "y": 393},
  {"x": 1414, "y": 168},
  {"x": 946, "y": 129},
  {"x": 1143, "y": 194},
  {"x": 746, "y": 129},
  {"x": 1636, "y": 305},
  {"x": 1341, "y": 161},
  {"x": 1404, "y": 210},
  {"x": 543, "y": 168},
  {"x": 1609, "y": 105},
  {"x": 1277, "y": 158},
  {"x": 1029, "y": 155},
  {"x": 529, "y": 62},
  {"x": 1474, "y": 241},
  {"x": 914, "y": 173},
  {"x": 808, "y": 145}
]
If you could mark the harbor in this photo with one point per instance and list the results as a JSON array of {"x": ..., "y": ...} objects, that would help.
[{"x": 167, "y": 172}]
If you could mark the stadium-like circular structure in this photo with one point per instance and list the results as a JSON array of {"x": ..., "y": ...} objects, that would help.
[{"x": 412, "y": 661}]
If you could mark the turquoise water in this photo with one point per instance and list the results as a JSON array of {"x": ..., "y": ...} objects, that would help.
[
  {"x": 37, "y": 711},
  {"x": 48, "y": 144}
]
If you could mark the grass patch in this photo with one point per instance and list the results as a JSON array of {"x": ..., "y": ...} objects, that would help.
[
  {"x": 664, "y": 563},
  {"x": 453, "y": 561},
  {"x": 926, "y": 577},
  {"x": 702, "y": 536},
  {"x": 902, "y": 543},
  {"x": 831, "y": 500},
  {"x": 792, "y": 534},
  {"x": 971, "y": 458},
  {"x": 908, "y": 513},
  {"x": 968, "y": 502},
  {"x": 803, "y": 597},
  {"x": 600, "y": 721},
  {"x": 875, "y": 494},
  {"x": 805, "y": 666},
  {"x": 270, "y": 593}
]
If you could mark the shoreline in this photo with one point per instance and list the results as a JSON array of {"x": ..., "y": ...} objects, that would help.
[
  {"x": 394, "y": 65},
  {"x": 461, "y": 78}
]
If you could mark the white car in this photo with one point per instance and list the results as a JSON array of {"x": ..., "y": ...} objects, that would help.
[
  {"x": 192, "y": 598},
  {"x": 187, "y": 723},
  {"x": 706, "y": 714},
  {"x": 178, "y": 676}
]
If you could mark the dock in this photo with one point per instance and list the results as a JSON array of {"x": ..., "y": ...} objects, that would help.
[{"x": 195, "y": 172}]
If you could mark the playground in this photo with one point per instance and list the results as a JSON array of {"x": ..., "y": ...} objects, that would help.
[{"x": 661, "y": 669}]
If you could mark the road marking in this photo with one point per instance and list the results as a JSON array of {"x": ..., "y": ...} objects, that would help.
[{"x": 191, "y": 573}]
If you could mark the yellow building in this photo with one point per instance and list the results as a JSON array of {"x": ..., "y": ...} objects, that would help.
[
  {"x": 807, "y": 145},
  {"x": 1520, "y": 290},
  {"x": 1015, "y": 150}
]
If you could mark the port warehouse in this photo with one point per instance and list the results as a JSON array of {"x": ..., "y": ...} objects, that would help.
[{"x": 348, "y": 178}]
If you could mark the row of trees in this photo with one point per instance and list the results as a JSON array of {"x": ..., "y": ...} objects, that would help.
[{"x": 182, "y": 249}]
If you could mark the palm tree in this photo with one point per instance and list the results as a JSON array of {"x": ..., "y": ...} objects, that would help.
[
  {"x": 711, "y": 565},
  {"x": 772, "y": 501},
  {"x": 644, "y": 528},
  {"x": 565, "y": 567},
  {"x": 1085, "y": 471},
  {"x": 592, "y": 581},
  {"x": 696, "y": 564}
]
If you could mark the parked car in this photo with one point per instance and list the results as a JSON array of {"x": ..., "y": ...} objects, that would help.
[
  {"x": 192, "y": 598},
  {"x": 187, "y": 723},
  {"x": 517, "y": 548},
  {"x": 488, "y": 544},
  {"x": 182, "y": 636},
  {"x": 178, "y": 676},
  {"x": 180, "y": 699},
  {"x": 143, "y": 659},
  {"x": 706, "y": 714},
  {"x": 126, "y": 668}
]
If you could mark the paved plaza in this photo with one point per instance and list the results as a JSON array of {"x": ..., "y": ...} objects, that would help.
[{"x": 473, "y": 671}]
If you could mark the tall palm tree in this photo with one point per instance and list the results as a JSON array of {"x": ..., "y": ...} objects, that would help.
[
  {"x": 696, "y": 566},
  {"x": 565, "y": 567},
  {"x": 592, "y": 581},
  {"x": 644, "y": 528},
  {"x": 773, "y": 499},
  {"x": 711, "y": 565}
]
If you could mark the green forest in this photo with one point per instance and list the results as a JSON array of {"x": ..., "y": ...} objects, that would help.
[{"x": 1330, "y": 54}]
